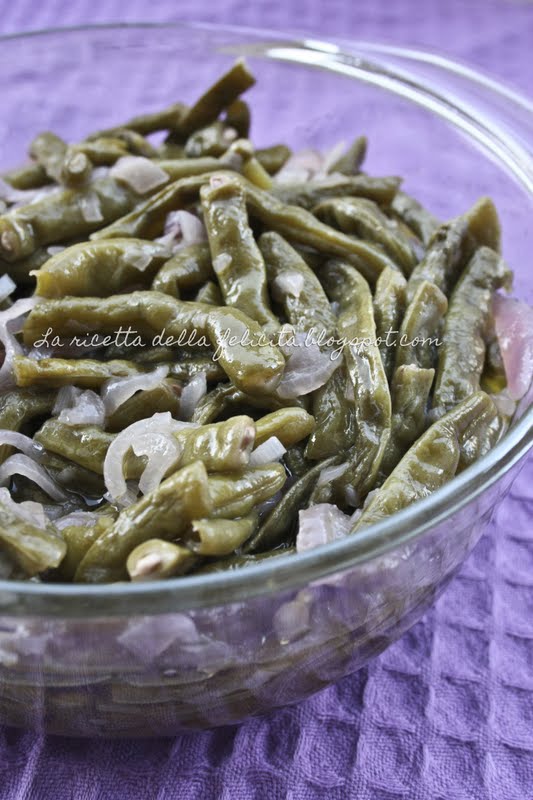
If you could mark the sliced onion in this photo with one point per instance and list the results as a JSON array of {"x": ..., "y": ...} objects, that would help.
[
  {"x": 87, "y": 409},
  {"x": 116, "y": 391},
  {"x": 21, "y": 442},
  {"x": 78, "y": 518},
  {"x": 288, "y": 283},
  {"x": 12, "y": 347},
  {"x": 266, "y": 453},
  {"x": 162, "y": 451},
  {"x": 113, "y": 464},
  {"x": 19, "y": 197},
  {"x": 191, "y": 395},
  {"x": 331, "y": 156},
  {"x": 29, "y": 510},
  {"x": 91, "y": 210},
  {"x": 55, "y": 249},
  {"x": 329, "y": 474},
  {"x": 23, "y": 465},
  {"x": 7, "y": 287},
  {"x": 139, "y": 173},
  {"x": 319, "y": 525},
  {"x": 300, "y": 167},
  {"x": 514, "y": 328},
  {"x": 308, "y": 367}
]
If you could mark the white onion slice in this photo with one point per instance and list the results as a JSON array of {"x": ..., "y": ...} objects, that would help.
[
  {"x": 307, "y": 368},
  {"x": 271, "y": 450},
  {"x": 23, "y": 465},
  {"x": 79, "y": 518},
  {"x": 139, "y": 173},
  {"x": 513, "y": 321},
  {"x": 116, "y": 391},
  {"x": 113, "y": 464},
  {"x": 191, "y": 395},
  {"x": 21, "y": 442},
  {"x": 29, "y": 510},
  {"x": 288, "y": 283},
  {"x": 319, "y": 525},
  {"x": 7, "y": 287},
  {"x": 183, "y": 229},
  {"x": 87, "y": 408},
  {"x": 300, "y": 167},
  {"x": 329, "y": 474},
  {"x": 331, "y": 156},
  {"x": 53, "y": 250},
  {"x": 91, "y": 209},
  {"x": 11, "y": 345},
  {"x": 162, "y": 451}
]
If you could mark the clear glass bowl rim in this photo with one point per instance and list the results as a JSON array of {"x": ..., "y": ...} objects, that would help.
[{"x": 203, "y": 591}]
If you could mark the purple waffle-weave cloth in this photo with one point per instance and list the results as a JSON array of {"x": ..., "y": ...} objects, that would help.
[{"x": 447, "y": 711}]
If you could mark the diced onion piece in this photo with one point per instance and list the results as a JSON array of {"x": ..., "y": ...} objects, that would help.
[
  {"x": 271, "y": 450},
  {"x": 288, "y": 283},
  {"x": 191, "y": 395},
  {"x": 319, "y": 525},
  {"x": 78, "y": 518},
  {"x": 300, "y": 167},
  {"x": 7, "y": 287},
  {"x": 21, "y": 442},
  {"x": 12, "y": 347},
  {"x": 129, "y": 438},
  {"x": 308, "y": 367},
  {"x": 23, "y": 465},
  {"x": 91, "y": 209},
  {"x": 55, "y": 249},
  {"x": 329, "y": 474},
  {"x": 139, "y": 173},
  {"x": 29, "y": 510},
  {"x": 116, "y": 391},
  {"x": 514, "y": 328}
]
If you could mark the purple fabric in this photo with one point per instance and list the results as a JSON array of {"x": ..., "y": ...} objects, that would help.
[{"x": 446, "y": 712}]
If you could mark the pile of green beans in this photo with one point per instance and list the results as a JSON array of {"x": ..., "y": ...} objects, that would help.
[{"x": 350, "y": 259}]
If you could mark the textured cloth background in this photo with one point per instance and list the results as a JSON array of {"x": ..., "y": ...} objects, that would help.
[{"x": 420, "y": 723}]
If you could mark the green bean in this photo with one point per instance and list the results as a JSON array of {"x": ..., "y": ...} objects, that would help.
[
  {"x": 389, "y": 308},
  {"x": 103, "y": 151},
  {"x": 243, "y": 151},
  {"x": 231, "y": 332},
  {"x": 334, "y": 414},
  {"x": 147, "y": 219},
  {"x": 364, "y": 218},
  {"x": 304, "y": 300},
  {"x": 52, "y": 373},
  {"x": 365, "y": 370},
  {"x": 236, "y": 258},
  {"x": 209, "y": 293},
  {"x": 298, "y": 225},
  {"x": 156, "y": 559},
  {"x": 415, "y": 216},
  {"x": 421, "y": 326},
  {"x": 76, "y": 168},
  {"x": 226, "y": 396},
  {"x": 236, "y": 494},
  {"x": 32, "y": 548},
  {"x": 85, "y": 445},
  {"x": 78, "y": 539},
  {"x": 213, "y": 140},
  {"x": 220, "y": 446},
  {"x": 28, "y": 176},
  {"x": 73, "y": 477},
  {"x": 462, "y": 354},
  {"x": 165, "y": 513},
  {"x": 240, "y": 562},
  {"x": 453, "y": 243},
  {"x": 220, "y": 537},
  {"x": 100, "y": 268},
  {"x": 238, "y": 117},
  {"x": 187, "y": 368},
  {"x": 49, "y": 150},
  {"x": 289, "y": 425},
  {"x": 296, "y": 462},
  {"x": 434, "y": 458},
  {"x": 135, "y": 143},
  {"x": 276, "y": 528},
  {"x": 144, "y": 404},
  {"x": 350, "y": 162},
  {"x": 273, "y": 158},
  {"x": 309, "y": 193},
  {"x": 217, "y": 98},
  {"x": 410, "y": 390},
  {"x": 22, "y": 271},
  {"x": 164, "y": 119},
  {"x": 20, "y": 406},
  {"x": 188, "y": 268}
]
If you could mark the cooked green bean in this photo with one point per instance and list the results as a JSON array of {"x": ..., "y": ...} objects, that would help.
[
  {"x": 20, "y": 406},
  {"x": 157, "y": 558},
  {"x": 165, "y": 119},
  {"x": 423, "y": 321},
  {"x": 32, "y": 548},
  {"x": 213, "y": 140},
  {"x": 85, "y": 445},
  {"x": 350, "y": 162},
  {"x": 462, "y": 354},
  {"x": 434, "y": 458},
  {"x": 334, "y": 413},
  {"x": 226, "y": 396},
  {"x": 165, "y": 513},
  {"x": 389, "y": 308},
  {"x": 289, "y": 425},
  {"x": 28, "y": 176},
  {"x": 188, "y": 268},
  {"x": 78, "y": 539},
  {"x": 209, "y": 293},
  {"x": 236, "y": 494},
  {"x": 144, "y": 404},
  {"x": 273, "y": 158},
  {"x": 52, "y": 373},
  {"x": 23, "y": 270},
  {"x": 220, "y": 537},
  {"x": 100, "y": 268},
  {"x": 308, "y": 194},
  {"x": 297, "y": 287},
  {"x": 238, "y": 117},
  {"x": 364, "y": 218},
  {"x": 415, "y": 216},
  {"x": 365, "y": 369}
]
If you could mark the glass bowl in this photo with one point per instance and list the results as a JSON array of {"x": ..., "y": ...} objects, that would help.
[{"x": 195, "y": 652}]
